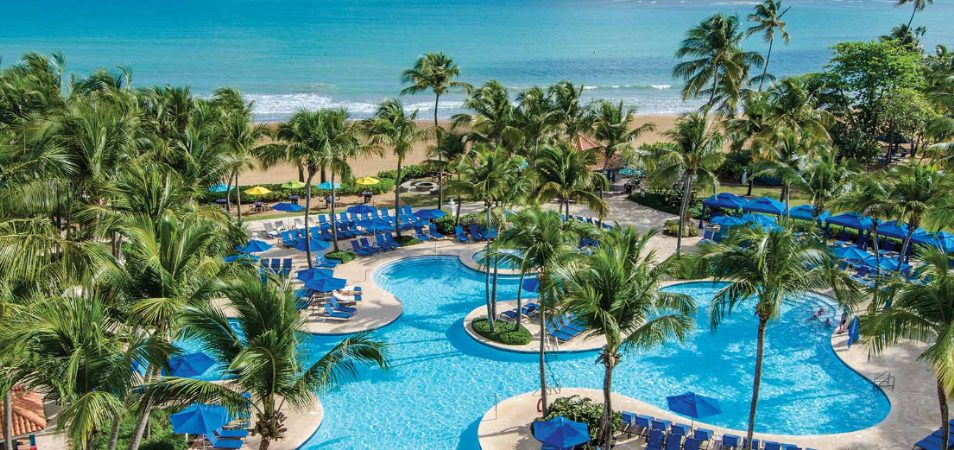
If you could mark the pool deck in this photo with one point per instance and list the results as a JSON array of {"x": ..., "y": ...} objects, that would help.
[{"x": 579, "y": 344}]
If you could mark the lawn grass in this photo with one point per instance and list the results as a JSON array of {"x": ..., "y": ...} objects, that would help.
[
  {"x": 797, "y": 197},
  {"x": 504, "y": 332}
]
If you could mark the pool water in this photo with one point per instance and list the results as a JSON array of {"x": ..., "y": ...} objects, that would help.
[
  {"x": 501, "y": 264},
  {"x": 442, "y": 381}
]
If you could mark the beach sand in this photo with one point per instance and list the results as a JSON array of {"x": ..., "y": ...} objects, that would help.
[{"x": 371, "y": 166}]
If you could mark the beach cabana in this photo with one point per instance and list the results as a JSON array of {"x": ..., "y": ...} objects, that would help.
[
  {"x": 764, "y": 205},
  {"x": 723, "y": 200},
  {"x": 759, "y": 220},
  {"x": 727, "y": 221},
  {"x": 896, "y": 230},
  {"x": 850, "y": 220},
  {"x": 804, "y": 212},
  {"x": 941, "y": 239}
]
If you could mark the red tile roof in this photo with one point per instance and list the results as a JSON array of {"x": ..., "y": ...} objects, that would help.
[{"x": 28, "y": 414}]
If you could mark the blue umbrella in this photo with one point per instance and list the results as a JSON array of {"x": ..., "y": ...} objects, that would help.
[
  {"x": 693, "y": 405},
  {"x": 853, "y": 331},
  {"x": 314, "y": 273},
  {"x": 316, "y": 245},
  {"x": 727, "y": 221},
  {"x": 430, "y": 214},
  {"x": 241, "y": 257},
  {"x": 326, "y": 284},
  {"x": 199, "y": 418},
  {"x": 361, "y": 209},
  {"x": 290, "y": 207},
  {"x": 804, "y": 212},
  {"x": 851, "y": 220},
  {"x": 852, "y": 253},
  {"x": 253, "y": 246},
  {"x": 190, "y": 365},
  {"x": 218, "y": 188},
  {"x": 531, "y": 284},
  {"x": 561, "y": 432},
  {"x": 326, "y": 186}
]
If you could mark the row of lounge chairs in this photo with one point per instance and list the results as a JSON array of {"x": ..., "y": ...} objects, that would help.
[
  {"x": 564, "y": 328},
  {"x": 337, "y": 305},
  {"x": 662, "y": 434},
  {"x": 228, "y": 438},
  {"x": 589, "y": 220},
  {"x": 279, "y": 266},
  {"x": 349, "y": 225},
  {"x": 476, "y": 234},
  {"x": 530, "y": 310}
]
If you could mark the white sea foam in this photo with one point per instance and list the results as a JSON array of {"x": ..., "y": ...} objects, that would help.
[
  {"x": 279, "y": 106},
  {"x": 660, "y": 86}
]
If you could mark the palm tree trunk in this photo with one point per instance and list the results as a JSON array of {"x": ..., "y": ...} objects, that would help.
[
  {"x": 493, "y": 295},
  {"x": 334, "y": 220},
  {"x": 543, "y": 354},
  {"x": 8, "y": 420},
  {"x": 757, "y": 383},
  {"x": 141, "y": 421},
  {"x": 906, "y": 244},
  {"x": 519, "y": 293},
  {"x": 397, "y": 199},
  {"x": 788, "y": 197},
  {"x": 311, "y": 263},
  {"x": 440, "y": 156},
  {"x": 114, "y": 432},
  {"x": 228, "y": 195},
  {"x": 942, "y": 402},
  {"x": 768, "y": 56},
  {"x": 606, "y": 425},
  {"x": 490, "y": 312},
  {"x": 238, "y": 198},
  {"x": 301, "y": 173},
  {"x": 877, "y": 281},
  {"x": 682, "y": 212},
  {"x": 914, "y": 10}
]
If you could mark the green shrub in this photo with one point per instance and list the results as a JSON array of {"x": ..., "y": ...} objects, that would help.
[
  {"x": 406, "y": 240},
  {"x": 504, "y": 332},
  {"x": 161, "y": 435},
  {"x": 343, "y": 255},
  {"x": 671, "y": 228},
  {"x": 582, "y": 409},
  {"x": 734, "y": 165},
  {"x": 409, "y": 172},
  {"x": 445, "y": 225}
]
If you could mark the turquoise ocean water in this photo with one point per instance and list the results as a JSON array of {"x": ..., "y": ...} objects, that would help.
[{"x": 287, "y": 54}]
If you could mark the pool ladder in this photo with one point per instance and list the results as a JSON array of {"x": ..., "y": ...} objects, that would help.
[{"x": 885, "y": 379}]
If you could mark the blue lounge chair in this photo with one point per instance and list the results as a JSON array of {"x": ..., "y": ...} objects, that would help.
[
  {"x": 559, "y": 335},
  {"x": 730, "y": 441},
  {"x": 343, "y": 218},
  {"x": 360, "y": 251},
  {"x": 491, "y": 233},
  {"x": 339, "y": 307},
  {"x": 702, "y": 434},
  {"x": 790, "y": 447},
  {"x": 459, "y": 234},
  {"x": 655, "y": 441},
  {"x": 276, "y": 265},
  {"x": 367, "y": 245},
  {"x": 390, "y": 239},
  {"x": 692, "y": 444},
  {"x": 661, "y": 424},
  {"x": 475, "y": 233},
  {"x": 220, "y": 442},
  {"x": 263, "y": 263},
  {"x": 680, "y": 429},
  {"x": 337, "y": 314},
  {"x": 383, "y": 243},
  {"x": 432, "y": 228},
  {"x": 321, "y": 261},
  {"x": 286, "y": 266},
  {"x": 756, "y": 444},
  {"x": 287, "y": 239},
  {"x": 510, "y": 315},
  {"x": 419, "y": 233},
  {"x": 323, "y": 220},
  {"x": 674, "y": 442},
  {"x": 769, "y": 445},
  {"x": 232, "y": 433}
]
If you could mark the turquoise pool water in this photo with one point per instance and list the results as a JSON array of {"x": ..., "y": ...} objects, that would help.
[
  {"x": 501, "y": 264},
  {"x": 442, "y": 381}
]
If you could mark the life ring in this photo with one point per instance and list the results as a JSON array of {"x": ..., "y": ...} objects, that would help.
[{"x": 540, "y": 405}]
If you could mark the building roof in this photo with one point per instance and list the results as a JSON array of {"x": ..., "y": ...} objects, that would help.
[{"x": 28, "y": 414}]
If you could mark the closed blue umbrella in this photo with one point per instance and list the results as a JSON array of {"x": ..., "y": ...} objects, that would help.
[
  {"x": 241, "y": 257},
  {"x": 219, "y": 188},
  {"x": 327, "y": 186},
  {"x": 199, "y": 418},
  {"x": 853, "y": 331},
  {"x": 360, "y": 209},
  {"x": 429, "y": 214},
  {"x": 561, "y": 432},
  {"x": 314, "y": 274},
  {"x": 289, "y": 207},
  {"x": 253, "y": 246},
  {"x": 316, "y": 245},
  {"x": 326, "y": 284},
  {"x": 693, "y": 405},
  {"x": 190, "y": 365}
]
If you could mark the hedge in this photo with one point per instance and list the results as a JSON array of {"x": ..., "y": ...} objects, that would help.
[
  {"x": 342, "y": 255},
  {"x": 445, "y": 225},
  {"x": 406, "y": 240},
  {"x": 504, "y": 332},
  {"x": 409, "y": 172},
  {"x": 279, "y": 193}
]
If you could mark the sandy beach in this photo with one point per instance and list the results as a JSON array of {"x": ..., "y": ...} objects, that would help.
[{"x": 371, "y": 166}]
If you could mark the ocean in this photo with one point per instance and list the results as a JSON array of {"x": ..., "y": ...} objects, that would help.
[{"x": 291, "y": 54}]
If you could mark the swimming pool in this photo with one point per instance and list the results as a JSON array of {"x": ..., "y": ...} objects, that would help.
[
  {"x": 501, "y": 264},
  {"x": 442, "y": 381}
]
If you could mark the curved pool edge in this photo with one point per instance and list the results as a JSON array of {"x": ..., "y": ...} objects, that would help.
[{"x": 590, "y": 344}]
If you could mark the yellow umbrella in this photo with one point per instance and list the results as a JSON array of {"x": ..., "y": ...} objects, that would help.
[
  {"x": 257, "y": 190},
  {"x": 367, "y": 181}
]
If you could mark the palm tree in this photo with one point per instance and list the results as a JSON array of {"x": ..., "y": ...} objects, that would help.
[
  {"x": 769, "y": 266},
  {"x": 568, "y": 108},
  {"x": 612, "y": 125},
  {"x": 536, "y": 116},
  {"x": 263, "y": 360},
  {"x": 872, "y": 197},
  {"x": 755, "y": 120},
  {"x": 494, "y": 120},
  {"x": 785, "y": 155},
  {"x": 922, "y": 311},
  {"x": 696, "y": 154},
  {"x": 768, "y": 20},
  {"x": 918, "y": 5},
  {"x": 615, "y": 293},
  {"x": 437, "y": 72},
  {"x": 392, "y": 127},
  {"x": 545, "y": 243},
  {"x": 318, "y": 141},
  {"x": 826, "y": 179},
  {"x": 916, "y": 189},
  {"x": 720, "y": 67},
  {"x": 564, "y": 173}
]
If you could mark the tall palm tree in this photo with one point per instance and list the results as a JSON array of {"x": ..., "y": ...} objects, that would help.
[
  {"x": 392, "y": 127},
  {"x": 826, "y": 180},
  {"x": 436, "y": 72},
  {"x": 720, "y": 67},
  {"x": 570, "y": 112},
  {"x": 768, "y": 20},
  {"x": 615, "y": 293},
  {"x": 917, "y": 5},
  {"x": 696, "y": 154},
  {"x": 546, "y": 243},
  {"x": 769, "y": 266},
  {"x": 494, "y": 120},
  {"x": 922, "y": 311},
  {"x": 263, "y": 358},
  {"x": 755, "y": 120},
  {"x": 872, "y": 197},
  {"x": 785, "y": 155},
  {"x": 564, "y": 173},
  {"x": 612, "y": 125},
  {"x": 535, "y": 116},
  {"x": 916, "y": 189}
]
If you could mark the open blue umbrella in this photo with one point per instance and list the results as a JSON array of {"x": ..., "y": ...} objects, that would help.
[
  {"x": 199, "y": 418},
  {"x": 361, "y": 209},
  {"x": 429, "y": 214},
  {"x": 218, "y": 188},
  {"x": 727, "y": 221},
  {"x": 289, "y": 207},
  {"x": 316, "y": 245},
  {"x": 241, "y": 257},
  {"x": 852, "y": 253},
  {"x": 190, "y": 365},
  {"x": 326, "y": 284},
  {"x": 314, "y": 273},
  {"x": 693, "y": 405},
  {"x": 561, "y": 432},
  {"x": 327, "y": 186},
  {"x": 253, "y": 246}
]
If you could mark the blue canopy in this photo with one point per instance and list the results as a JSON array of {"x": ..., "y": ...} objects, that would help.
[
  {"x": 531, "y": 284},
  {"x": 765, "y": 205},
  {"x": 890, "y": 264},
  {"x": 316, "y": 245},
  {"x": 804, "y": 212},
  {"x": 561, "y": 432},
  {"x": 851, "y": 220},
  {"x": 189, "y": 365},
  {"x": 199, "y": 418},
  {"x": 314, "y": 273},
  {"x": 219, "y": 188},
  {"x": 727, "y": 221},
  {"x": 724, "y": 200},
  {"x": 325, "y": 284},
  {"x": 241, "y": 257},
  {"x": 290, "y": 207},
  {"x": 852, "y": 252},
  {"x": 430, "y": 214},
  {"x": 693, "y": 405},
  {"x": 897, "y": 230},
  {"x": 361, "y": 209},
  {"x": 253, "y": 246},
  {"x": 941, "y": 239},
  {"x": 853, "y": 331},
  {"x": 326, "y": 186}
]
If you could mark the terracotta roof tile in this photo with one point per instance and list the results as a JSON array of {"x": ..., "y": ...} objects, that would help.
[{"x": 28, "y": 414}]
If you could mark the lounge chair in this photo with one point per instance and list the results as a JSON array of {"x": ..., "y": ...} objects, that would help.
[
  {"x": 419, "y": 233},
  {"x": 390, "y": 240},
  {"x": 299, "y": 223},
  {"x": 692, "y": 444},
  {"x": 491, "y": 233},
  {"x": 339, "y": 307},
  {"x": 383, "y": 243},
  {"x": 674, "y": 442},
  {"x": 635, "y": 423},
  {"x": 279, "y": 225},
  {"x": 756, "y": 444},
  {"x": 367, "y": 245},
  {"x": 661, "y": 424},
  {"x": 432, "y": 229},
  {"x": 791, "y": 447},
  {"x": 220, "y": 442},
  {"x": 680, "y": 429},
  {"x": 459, "y": 234},
  {"x": 769, "y": 445},
  {"x": 331, "y": 312},
  {"x": 730, "y": 441},
  {"x": 346, "y": 298},
  {"x": 270, "y": 231},
  {"x": 475, "y": 233},
  {"x": 702, "y": 434},
  {"x": 510, "y": 315},
  {"x": 360, "y": 251},
  {"x": 655, "y": 440},
  {"x": 276, "y": 265},
  {"x": 933, "y": 441},
  {"x": 288, "y": 240},
  {"x": 323, "y": 220},
  {"x": 286, "y": 266},
  {"x": 325, "y": 233},
  {"x": 559, "y": 335}
]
